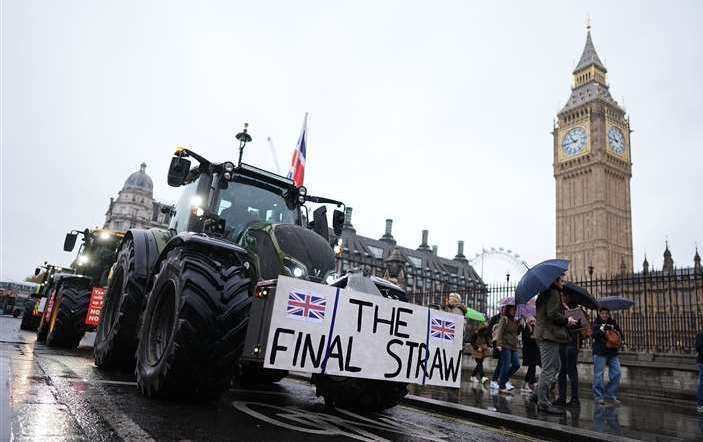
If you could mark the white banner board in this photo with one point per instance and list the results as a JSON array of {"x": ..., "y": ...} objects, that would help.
[{"x": 317, "y": 328}]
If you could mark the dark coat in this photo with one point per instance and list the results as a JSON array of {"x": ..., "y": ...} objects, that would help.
[
  {"x": 599, "y": 347},
  {"x": 551, "y": 321},
  {"x": 699, "y": 347},
  {"x": 530, "y": 349}
]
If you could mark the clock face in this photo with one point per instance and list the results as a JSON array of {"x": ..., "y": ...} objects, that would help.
[
  {"x": 574, "y": 141},
  {"x": 616, "y": 141}
]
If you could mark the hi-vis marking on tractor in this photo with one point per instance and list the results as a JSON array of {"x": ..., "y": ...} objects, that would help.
[
  {"x": 378, "y": 338},
  {"x": 97, "y": 298}
]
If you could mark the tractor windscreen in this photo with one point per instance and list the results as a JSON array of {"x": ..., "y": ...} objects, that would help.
[{"x": 242, "y": 205}]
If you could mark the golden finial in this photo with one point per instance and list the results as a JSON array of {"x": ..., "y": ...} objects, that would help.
[{"x": 588, "y": 22}]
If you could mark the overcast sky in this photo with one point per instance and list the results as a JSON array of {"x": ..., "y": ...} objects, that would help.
[{"x": 435, "y": 114}]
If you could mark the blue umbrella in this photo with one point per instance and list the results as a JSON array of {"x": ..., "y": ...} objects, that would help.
[
  {"x": 539, "y": 278},
  {"x": 615, "y": 303}
]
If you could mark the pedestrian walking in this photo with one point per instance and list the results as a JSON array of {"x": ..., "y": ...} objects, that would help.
[
  {"x": 479, "y": 345},
  {"x": 530, "y": 354},
  {"x": 507, "y": 332},
  {"x": 550, "y": 331},
  {"x": 495, "y": 354},
  {"x": 568, "y": 355},
  {"x": 607, "y": 337},
  {"x": 699, "y": 349}
]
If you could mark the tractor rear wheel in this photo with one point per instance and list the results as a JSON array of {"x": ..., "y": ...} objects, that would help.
[
  {"x": 193, "y": 327},
  {"x": 359, "y": 394},
  {"x": 29, "y": 321},
  {"x": 116, "y": 337},
  {"x": 67, "y": 327}
]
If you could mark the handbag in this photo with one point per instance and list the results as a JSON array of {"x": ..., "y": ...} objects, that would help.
[{"x": 612, "y": 339}]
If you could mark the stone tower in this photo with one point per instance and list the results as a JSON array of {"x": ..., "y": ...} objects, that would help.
[{"x": 592, "y": 169}]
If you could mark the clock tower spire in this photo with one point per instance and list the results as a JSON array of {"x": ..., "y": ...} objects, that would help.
[{"x": 592, "y": 171}]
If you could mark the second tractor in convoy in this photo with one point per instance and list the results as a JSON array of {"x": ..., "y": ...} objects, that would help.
[{"x": 74, "y": 298}]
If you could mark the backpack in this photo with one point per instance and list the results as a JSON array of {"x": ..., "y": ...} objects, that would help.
[{"x": 612, "y": 339}]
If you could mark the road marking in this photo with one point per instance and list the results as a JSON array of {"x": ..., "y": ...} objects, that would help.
[
  {"x": 100, "y": 381},
  {"x": 325, "y": 424},
  {"x": 122, "y": 424}
]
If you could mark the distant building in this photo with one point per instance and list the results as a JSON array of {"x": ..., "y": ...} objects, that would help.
[
  {"x": 135, "y": 206},
  {"x": 426, "y": 277}
]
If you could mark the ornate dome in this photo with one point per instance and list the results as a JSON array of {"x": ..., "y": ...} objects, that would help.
[{"x": 139, "y": 180}]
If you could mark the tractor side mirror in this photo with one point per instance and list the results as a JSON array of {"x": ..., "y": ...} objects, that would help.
[
  {"x": 319, "y": 223},
  {"x": 178, "y": 171},
  {"x": 70, "y": 242},
  {"x": 337, "y": 222},
  {"x": 37, "y": 271}
]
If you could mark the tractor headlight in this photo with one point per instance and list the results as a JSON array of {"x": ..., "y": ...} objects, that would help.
[
  {"x": 295, "y": 268},
  {"x": 330, "y": 278},
  {"x": 104, "y": 235},
  {"x": 83, "y": 259},
  {"x": 302, "y": 190},
  {"x": 196, "y": 201},
  {"x": 228, "y": 167}
]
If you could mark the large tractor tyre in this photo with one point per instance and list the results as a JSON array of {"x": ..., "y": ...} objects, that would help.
[
  {"x": 359, "y": 394},
  {"x": 29, "y": 321},
  {"x": 193, "y": 328},
  {"x": 67, "y": 326},
  {"x": 116, "y": 337},
  {"x": 253, "y": 374},
  {"x": 43, "y": 327}
]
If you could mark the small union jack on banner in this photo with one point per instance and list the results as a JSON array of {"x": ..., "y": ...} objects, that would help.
[
  {"x": 297, "y": 165},
  {"x": 441, "y": 329},
  {"x": 306, "y": 307}
]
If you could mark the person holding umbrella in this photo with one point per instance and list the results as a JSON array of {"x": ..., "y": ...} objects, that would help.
[
  {"x": 607, "y": 337},
  {"x": 547, "y": 279}
]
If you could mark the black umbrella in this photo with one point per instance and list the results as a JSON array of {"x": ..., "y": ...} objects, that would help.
[
  {"x": 615, "y": 303},
  {"x": 579, "y": 295}
]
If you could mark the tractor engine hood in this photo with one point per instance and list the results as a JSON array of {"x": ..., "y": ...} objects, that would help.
[{"x": 291, "y": 250}]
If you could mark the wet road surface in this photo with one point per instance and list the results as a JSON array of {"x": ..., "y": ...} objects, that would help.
[
  {"x": 635, "y": 418},
  {"x": 49, "y": 394}
]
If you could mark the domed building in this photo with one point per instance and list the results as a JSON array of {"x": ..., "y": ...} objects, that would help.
[{"x": 135, "y": 206}]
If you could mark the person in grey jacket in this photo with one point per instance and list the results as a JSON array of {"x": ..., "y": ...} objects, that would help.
[{"x": 550, "y": 331}]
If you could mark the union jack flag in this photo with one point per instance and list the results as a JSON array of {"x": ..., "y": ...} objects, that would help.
[
  {"x": 297, "y": 165},
  {"x": 440, "y": 329},
  {"x": 306, "y": 307}
]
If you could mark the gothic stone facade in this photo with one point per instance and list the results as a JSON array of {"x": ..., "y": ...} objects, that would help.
[
  {"x": 592, "y": 169},
  {"x": 426, "y": 277}
]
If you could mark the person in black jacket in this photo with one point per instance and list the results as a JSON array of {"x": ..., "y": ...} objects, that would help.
[
  {"x": 530, "y": 355},
  {"x": 603, "y": 356},
  {"x": 699, "y": 349}
]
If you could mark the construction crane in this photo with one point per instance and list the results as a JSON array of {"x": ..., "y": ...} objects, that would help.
[{"x": 273, "y": 154}]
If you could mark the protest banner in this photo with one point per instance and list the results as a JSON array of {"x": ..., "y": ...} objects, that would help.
[{"x": 317, "y": 328}]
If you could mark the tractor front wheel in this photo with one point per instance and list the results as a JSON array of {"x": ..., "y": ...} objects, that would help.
[
  {"x": 116, "y": 336},
  {"x": 193, "y": 327},
  {"x": 29, "y": 321},
  {"x": 67, "y": 326}
]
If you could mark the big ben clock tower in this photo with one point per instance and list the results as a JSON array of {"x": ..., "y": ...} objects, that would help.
[{"x": 592, "y": 169}]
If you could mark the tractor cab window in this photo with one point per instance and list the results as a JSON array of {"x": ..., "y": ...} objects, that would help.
[
  {"x": 180, "y": 220},
  {"x": 242, "y": 205}
]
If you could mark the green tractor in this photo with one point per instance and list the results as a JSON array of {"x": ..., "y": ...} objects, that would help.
[
  {"x": 75, "y": 302},
  {"x": 34, "y": 306},
  {"x": 178, "y": 301}
]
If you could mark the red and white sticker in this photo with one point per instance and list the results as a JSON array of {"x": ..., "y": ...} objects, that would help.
[{"x": 97, "y": 298}]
